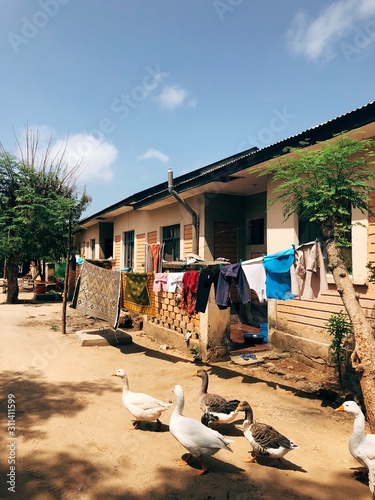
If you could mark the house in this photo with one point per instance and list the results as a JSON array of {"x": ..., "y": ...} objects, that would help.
[{"x": 220, "y": 210}]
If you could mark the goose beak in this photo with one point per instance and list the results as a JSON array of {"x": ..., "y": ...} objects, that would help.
[
  {"x": 238, "y": 408},
  {"x": 340, "y": 408},
  {"x": 114, "y": 374}
]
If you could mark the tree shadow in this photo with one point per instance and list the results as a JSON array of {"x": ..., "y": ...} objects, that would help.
[
  {"x": 64, "y": 476},
  {"x": 46, "y": 476},
  {"x": 38, "y": 401}
]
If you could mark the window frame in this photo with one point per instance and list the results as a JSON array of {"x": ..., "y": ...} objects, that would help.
[
  {"x": 128, "y": 241},
  {"x": 172, "y": 242}
]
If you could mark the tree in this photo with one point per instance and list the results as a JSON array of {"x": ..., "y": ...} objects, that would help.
[
  {"x": 323, "y": 185},
  {"x": 39, "y": 201}
]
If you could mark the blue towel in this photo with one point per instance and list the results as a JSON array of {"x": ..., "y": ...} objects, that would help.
[{"x": 278, "y": 279}]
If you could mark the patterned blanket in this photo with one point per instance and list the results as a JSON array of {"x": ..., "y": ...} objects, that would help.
[
  {"x": 97, "y": 293},
  {"x": 137, "y": 293}
]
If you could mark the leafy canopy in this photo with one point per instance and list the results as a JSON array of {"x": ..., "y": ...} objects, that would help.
[
  {"x": 322, "y": 185},
  {"x": 36, "y": 206}
]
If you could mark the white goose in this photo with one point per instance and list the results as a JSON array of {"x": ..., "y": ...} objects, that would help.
[
  {"x": 143, "y": 407},
  {"x": 216, "y": 409},
  {"x": 361, "y": 445},
  {"x": 199, "y": 440},
  {"x": 264, "y": 439}
]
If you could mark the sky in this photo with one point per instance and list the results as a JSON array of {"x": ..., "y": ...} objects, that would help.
[{"x": 130, "y": 88}]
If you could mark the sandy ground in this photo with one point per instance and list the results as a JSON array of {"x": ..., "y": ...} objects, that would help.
[{"x": 72, "y": 437}]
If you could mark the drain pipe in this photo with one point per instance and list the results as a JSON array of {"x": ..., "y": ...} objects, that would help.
[{"x": 194, "y": 216}]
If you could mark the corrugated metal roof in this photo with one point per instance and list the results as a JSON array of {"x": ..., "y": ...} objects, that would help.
[{"x": 245, "y": 159}]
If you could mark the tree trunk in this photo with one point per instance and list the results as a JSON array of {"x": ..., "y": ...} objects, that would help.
[
  {"x": 65, "y": 294},
  {"x": 12, "y": 278},
  {"x": 363, "y": 357}
]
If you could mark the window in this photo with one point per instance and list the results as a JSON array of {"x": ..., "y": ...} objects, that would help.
[
  {"x": 308, "y": 231},
  {"x": 92, "y": 249},
  {"x": 129, "y": 249},
  {"x": 108, "y": 248},
  {"x": 255, "y": 232},
  {"x": 171, "y": 240}
]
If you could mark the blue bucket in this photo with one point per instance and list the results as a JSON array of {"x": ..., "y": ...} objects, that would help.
[{"x": 264, "y": 331}]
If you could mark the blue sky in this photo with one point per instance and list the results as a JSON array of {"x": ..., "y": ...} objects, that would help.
[{"x": 138, "y": 86}]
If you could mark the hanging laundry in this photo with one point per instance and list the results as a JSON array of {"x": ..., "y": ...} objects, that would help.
[
  {"x": 137, "y": 293},
  {"x": 154, "y": 257},
  {"x": 174, "y": 281},
  {"x": 207, "y": 276},
  {"x": 255, "y": 275},
  {"x": 226, "y": 275},
  {"x": 160, "y": 282},
  {"x": 308, "y": 275},
  {"x": 278, "y": 275},
  {"x": 189, "y": 291},
  {"x": 97, "y": 293}
]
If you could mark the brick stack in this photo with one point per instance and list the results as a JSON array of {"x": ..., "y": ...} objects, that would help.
[{"x": 170, "y": 315}]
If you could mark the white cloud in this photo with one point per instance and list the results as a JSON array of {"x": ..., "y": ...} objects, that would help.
[
  {"x": 151, "y": 154},
  {"x": 94, "y": 156},
  {"x": 317, "y": 38},
  {"x": 172, "y": 97}
]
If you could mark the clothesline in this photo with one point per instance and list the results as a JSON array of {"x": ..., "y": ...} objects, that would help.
[{"x": 295, "y": 272}]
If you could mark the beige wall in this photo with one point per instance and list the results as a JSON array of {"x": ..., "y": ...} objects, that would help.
[
  {"x": 91, "y": 233},
  {"x": 148, "y": 223}
]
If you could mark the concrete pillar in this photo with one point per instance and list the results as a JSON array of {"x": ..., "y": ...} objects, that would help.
[{"x": 214, "y": 343}]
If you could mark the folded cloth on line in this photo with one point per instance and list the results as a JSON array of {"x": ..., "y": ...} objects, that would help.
[
  {"x": 137, "y": 293},
  {"x": 160, "y": 282},
  {"x": 174, "y": 281}
]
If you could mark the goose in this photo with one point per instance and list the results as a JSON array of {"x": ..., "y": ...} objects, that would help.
[
  {"x": 143, "y": 407},
  {"x": 216, "y": 409},
  {"x": 199, "y": 440},
  {"x": 264, "y": 439},
  {"x": 361, "y": 445}
]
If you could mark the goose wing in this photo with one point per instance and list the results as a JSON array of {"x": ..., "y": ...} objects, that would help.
[
  {"x": 217, "y": 404},
  {"x": 145, "y": 402},
  {"x": 192, "y": 435},
  {"x": 267, "y": 437}
]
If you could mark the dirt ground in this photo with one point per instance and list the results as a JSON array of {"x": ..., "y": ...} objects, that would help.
[{"x": 72, "y": 437}]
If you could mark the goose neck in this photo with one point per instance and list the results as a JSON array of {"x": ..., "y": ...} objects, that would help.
[
  {"x": 204, "y": 384},
  {"x": 249, "y": 415},
  {"x": 359, "y": 423},
  {"x": 180, "y": 402}
]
